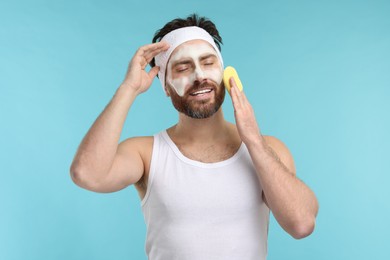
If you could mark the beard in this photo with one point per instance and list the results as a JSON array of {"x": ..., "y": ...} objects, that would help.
[{"x": 198, "y": 109}]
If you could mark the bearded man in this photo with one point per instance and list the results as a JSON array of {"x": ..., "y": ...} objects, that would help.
[{"x": 206, "y": 185}]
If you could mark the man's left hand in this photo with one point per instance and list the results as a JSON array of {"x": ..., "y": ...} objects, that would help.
[{"x": 245, "y": 117}]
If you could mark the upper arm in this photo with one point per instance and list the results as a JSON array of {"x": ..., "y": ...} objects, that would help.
[{"x": 128, "y": 166}]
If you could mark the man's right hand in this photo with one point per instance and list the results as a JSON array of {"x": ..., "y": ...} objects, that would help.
[{"x": 137, "y": 78}]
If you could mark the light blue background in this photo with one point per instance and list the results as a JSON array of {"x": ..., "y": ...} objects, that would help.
[{"x": 316, "y": 72}]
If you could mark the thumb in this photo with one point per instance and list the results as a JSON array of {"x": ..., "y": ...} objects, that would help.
[{"x": 153, "y": 72}]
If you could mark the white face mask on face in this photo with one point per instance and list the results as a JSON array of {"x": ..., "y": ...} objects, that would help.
[{"x": 192, "y": 54}]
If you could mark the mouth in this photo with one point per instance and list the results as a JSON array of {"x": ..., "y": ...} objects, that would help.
[{"x": 201, "y": 92}]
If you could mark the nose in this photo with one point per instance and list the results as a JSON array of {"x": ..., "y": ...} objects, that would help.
[{"x": 199, "y": 75}]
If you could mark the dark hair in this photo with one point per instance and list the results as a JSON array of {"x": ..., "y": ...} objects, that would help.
[{"x": 192, "y": 20}]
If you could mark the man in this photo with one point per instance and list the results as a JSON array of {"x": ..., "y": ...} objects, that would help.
[{"x": 206, "y": 185}]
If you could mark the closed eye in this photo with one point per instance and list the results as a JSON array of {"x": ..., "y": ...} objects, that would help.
[
  {"x": 181, "y": 69},
  {"x": 182, "y": 66},
  {"x": 209, "y": 61}
]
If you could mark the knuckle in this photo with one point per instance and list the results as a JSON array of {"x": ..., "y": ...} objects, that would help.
[{"x": 141, "y": 49}]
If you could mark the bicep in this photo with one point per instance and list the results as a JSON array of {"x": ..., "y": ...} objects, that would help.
[{"x": 127, "y": 168}]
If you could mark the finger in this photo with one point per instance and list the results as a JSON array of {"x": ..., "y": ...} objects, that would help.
[
  {"x": 153, "y": 72},
  {"x": 150, "y": 55},
  {"x": 235, "y": 100},
  {"x": 238, "y": 92},
  {"x": 150, "y": 52},
  {"x": 244, "y": 99},
  {"x": 155, "y": 47},
  {"x": 144, "y": 50},
  {"x": 143, "y": 63}
]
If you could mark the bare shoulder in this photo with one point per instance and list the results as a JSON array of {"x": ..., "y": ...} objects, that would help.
[
  {"x": 142, "y": 144},
  {"x": 282, "y": 152},
  {"x": 139, "y": 141}
]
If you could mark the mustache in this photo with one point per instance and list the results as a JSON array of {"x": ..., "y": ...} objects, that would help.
[{"x": 201, "y": 85}]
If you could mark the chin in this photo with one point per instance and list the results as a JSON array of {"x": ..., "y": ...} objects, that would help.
[{"x": 198, "y": 109}]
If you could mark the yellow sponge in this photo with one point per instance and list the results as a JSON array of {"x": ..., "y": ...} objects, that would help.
[{"x": 227, "y": 74}]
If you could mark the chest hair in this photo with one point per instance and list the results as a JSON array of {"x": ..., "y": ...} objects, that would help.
[{"x": 208, "y": 153}]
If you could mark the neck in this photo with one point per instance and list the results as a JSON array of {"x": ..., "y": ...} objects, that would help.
[{"x": 200, "y": 130}]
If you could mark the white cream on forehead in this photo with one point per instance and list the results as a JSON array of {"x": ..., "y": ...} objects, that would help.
[{"x": 193, "y": 52}]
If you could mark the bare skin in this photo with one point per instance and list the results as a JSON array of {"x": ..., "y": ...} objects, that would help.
[{"x": 103, "y": 165}]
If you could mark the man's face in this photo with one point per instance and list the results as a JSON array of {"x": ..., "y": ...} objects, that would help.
[{"x": 194, "y": 77}]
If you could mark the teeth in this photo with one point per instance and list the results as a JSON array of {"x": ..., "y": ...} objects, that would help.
[{"x": 201, "y": 92}]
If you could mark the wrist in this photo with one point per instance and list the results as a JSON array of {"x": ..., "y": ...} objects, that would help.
[{"x": 127, "y": 91}]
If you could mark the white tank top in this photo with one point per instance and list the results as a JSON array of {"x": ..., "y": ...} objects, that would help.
[{"x": 202, "y": 211}]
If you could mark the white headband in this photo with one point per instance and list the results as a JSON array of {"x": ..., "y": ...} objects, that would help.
[{"x": 177, "y": 37}]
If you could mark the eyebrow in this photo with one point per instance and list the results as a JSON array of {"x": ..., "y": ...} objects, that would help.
[
  {"x": 208, "y": 56},
  {"x": 189, "y": 60},
  {"x": 180, "y": 62}
]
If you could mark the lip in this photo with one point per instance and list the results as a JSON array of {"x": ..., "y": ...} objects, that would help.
[
  {"x": 205, "y": 95},
  {"x": 208, "y": 90}
]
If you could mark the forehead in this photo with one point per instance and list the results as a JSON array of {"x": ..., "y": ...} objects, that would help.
[{"x": 192, "y": 48}]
